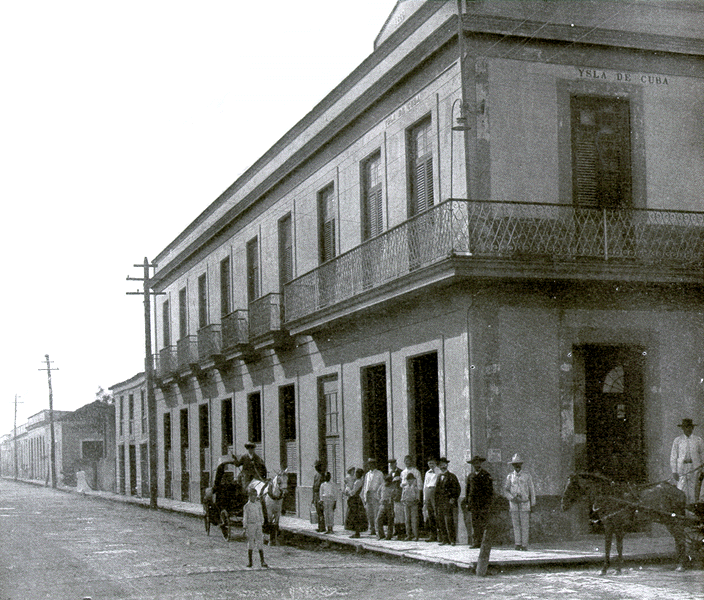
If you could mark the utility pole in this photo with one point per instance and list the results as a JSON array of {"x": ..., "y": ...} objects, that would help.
[
  {"x": 52, "y": 449},
  {"x": 15, "y": 439},
  {"x": 149, "y": 376}
]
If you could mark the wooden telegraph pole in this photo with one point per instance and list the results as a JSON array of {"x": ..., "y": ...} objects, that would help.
[
  {"x": 52, "y": 449},
  {"x": 149, "y": 377}
]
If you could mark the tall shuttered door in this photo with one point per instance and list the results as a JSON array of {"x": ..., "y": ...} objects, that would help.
[
  {"x": 327, "y": 210},
  {"x": 601, "y": 152},
  {"x": 421, "y": 167},
  {"x": 285, "y": 251},
  {"x": 330, "y": 421}
]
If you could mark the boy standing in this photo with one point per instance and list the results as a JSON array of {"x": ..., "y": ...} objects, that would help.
[
  {"x": 252, "y": 521},
  {"x": 410, "y": 498},
  {"x": 328, "y": 496}
]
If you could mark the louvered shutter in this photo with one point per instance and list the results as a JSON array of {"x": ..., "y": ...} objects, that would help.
[
  {"x": 376, "y": 220},
  {"x": 328, "y": 240}
]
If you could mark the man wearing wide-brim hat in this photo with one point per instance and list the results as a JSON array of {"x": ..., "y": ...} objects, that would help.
[
  {"x": 520, "y": 492},
  {"x": 687, "y": 460}
]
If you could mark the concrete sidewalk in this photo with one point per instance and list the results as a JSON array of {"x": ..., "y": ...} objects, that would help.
[{"x": 587, "y": 550}]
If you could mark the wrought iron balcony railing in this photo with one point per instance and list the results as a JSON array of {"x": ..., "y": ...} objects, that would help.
[
  {"x": 505, "y": 231},
  {"x": 209, "y": 341},
  {"x": 167, "y": 364},
  {"x": 235, "y": 330},
  {"x": 187, "y": 351},
  {"x": 265, "y": 315}
]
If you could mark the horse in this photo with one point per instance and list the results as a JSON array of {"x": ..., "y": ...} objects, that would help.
[
  {"x": 617, "y": 504},
  {"x": 271, "y": 493}
]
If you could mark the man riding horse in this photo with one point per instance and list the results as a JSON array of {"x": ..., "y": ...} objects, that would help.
[{"x": 251, "y": 464}]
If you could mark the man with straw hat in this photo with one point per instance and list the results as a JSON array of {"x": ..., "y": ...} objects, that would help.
[
  {"x": 687, "y": 460},
  {"x": 520, "y": 492}
]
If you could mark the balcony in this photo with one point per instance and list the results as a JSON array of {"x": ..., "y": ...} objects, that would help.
[
  {"x": 266, "y": 316},
  {"x": 187, "y": 350},
  {"x": 509, "y": 240},
  {"x": 209, "y": 342},
  {"x": 235, "y": 331},
  {"x": 167, "y": 364}
]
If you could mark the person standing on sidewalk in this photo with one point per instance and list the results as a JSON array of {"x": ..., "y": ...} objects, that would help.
[
  {"x": 328, "y": 496},
  {"x": 447, "y": 492},
  {"x": 686, "y": 460},
  {"x": 410, "y": 499},
  {"x": 479, "y": 493},
  {"x": 317, "y": 504},
  {"x": 520, "y": 492},
  {"x": 373, "y": 482},
  {"x": 253, "y": 521},
  {"x": 356, "y": 519},
  {"x": 429, "y": 483}
]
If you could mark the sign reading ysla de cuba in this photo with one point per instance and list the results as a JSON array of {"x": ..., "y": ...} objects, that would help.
[{"x": 588, "y": 73}]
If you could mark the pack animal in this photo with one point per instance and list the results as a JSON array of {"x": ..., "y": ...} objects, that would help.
[{"x": 618, "y": 504}]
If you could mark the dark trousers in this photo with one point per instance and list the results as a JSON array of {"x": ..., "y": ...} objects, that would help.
[
  {"x": 321, "y": 514},
  {"x": 479, "y": 522},
  {"x": 385, "y": 516},
  {"x": 447, "y": 522}
]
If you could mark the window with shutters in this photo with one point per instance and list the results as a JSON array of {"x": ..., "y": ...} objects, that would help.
[
  {"x": 285, "y": 250},
  {"x": 202, "y": 301},
  {"x": 372, "y": 212},
  {"x": 226, "y": 424},
  {"x": 182, "y": 314},
  {"x": 327, "y": 211},
  {"x": 166, "y": 323},
  {"x": 254, "y": 417},
  {"x": 420, "y": 167},
  {"x": 601, "y": 152},
  {"x": 287, "y": 426},
  {"x": 225, "y": 287},
  {"x": 328, "y": 392},
  {"x": 252, "y": 270}
]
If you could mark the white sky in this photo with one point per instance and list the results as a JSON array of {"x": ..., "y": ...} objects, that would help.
[{"x": 119, "y": 123}]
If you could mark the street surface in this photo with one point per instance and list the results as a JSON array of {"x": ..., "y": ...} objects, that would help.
[{"x": 65, "y": 546}]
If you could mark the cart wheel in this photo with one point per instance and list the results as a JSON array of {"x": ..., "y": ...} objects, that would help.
[
  {"x": 225, "y": 524},
  {"x": 207, "y": 523}
]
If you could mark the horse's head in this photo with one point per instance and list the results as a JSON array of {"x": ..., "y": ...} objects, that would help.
[
  {"x": 573, "y": 492},
  {"x": 279, "y": 483}
]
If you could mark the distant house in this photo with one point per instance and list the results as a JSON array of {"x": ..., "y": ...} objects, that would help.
[
  {"x": 84, "y": 440},
  {"x": 132, "y": 436}
]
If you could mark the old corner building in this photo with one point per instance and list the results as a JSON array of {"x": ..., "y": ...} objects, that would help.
[{"x": 488, "y": 243}]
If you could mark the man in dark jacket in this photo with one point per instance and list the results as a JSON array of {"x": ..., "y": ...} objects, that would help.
[
  {"x": 317, "y": 502},
  {"x": 447, "y": 491},
  {"x": 252, "y": 465},
  {"x": 479, "y": 494}
]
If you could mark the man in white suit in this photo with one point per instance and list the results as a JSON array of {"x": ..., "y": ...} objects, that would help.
[{"x": 686, "y": 460}]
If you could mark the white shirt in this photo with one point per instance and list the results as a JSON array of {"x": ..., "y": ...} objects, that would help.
[
  {"x": 406, "y": 471},
  {"x": 683, "y": 448},
  {"x": 431, "y": 478}
]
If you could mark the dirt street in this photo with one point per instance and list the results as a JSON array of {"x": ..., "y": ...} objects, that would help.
[{"x": 65, "y": 546}]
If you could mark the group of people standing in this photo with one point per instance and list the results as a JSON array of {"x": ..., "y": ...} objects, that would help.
[{"x": 390, "y": 503}]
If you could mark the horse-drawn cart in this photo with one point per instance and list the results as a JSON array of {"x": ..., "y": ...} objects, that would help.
[{"x": 223, "y": 503}]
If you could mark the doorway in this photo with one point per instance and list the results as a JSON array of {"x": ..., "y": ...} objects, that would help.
[
  {"x": 423, "y": 409},
  {"x": 375, "y": 434},
  {"x": 615, "y": 444}
]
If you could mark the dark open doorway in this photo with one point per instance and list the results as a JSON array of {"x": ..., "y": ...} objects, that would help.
[
  {"x": 374, "y": 418},
  {"x": 614, "y": 411},
  {"x": 423, "y": 409}
]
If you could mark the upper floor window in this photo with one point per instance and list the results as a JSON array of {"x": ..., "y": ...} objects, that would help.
[
  {"x": 252, "y": 270},
  {"x": 225, "y": 287},
  {"x": 372, "y": 212},
  {"x": 202, "y": 301},
  {"x": 182, "y": 313},
  {"x": 144, "y": 411},
  {"x": 601, "y": 152},
  {"x": 166, "y": 323},
  {"x": 131, "y": 413},
  {"x": 254, "y": 417},
  {"x": 420, "y": 167},
  {"x": 327, "y": 211},
  {"x": 285, "y": 250}
]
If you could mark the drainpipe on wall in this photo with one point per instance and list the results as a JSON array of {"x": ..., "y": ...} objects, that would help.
[{"x": 464, "y": 112}]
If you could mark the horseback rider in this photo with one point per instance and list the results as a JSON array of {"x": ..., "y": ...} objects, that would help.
[{"x": 251, "y": 464}]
